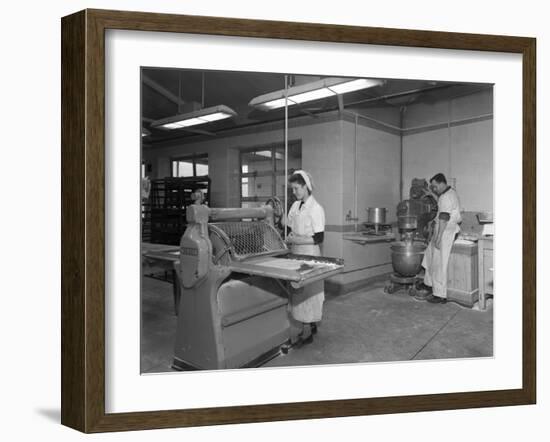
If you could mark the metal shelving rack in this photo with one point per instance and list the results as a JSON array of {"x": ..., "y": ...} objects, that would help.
[{"x": 163, "y": 214}]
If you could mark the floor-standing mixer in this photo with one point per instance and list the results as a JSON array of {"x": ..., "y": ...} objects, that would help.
[{"x": 414, "y": 218}]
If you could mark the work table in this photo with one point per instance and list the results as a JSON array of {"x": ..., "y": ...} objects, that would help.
[{"x": 363, "y": 238}]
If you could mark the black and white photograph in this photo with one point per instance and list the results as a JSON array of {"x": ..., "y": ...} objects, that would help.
[{"x": 300, "y": 220}]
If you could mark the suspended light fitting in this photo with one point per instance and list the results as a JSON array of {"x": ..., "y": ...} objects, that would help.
[
  {"x": 195, "y": 118},
  {"x": 311, "y": 91}
]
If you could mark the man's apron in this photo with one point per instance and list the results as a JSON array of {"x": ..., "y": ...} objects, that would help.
[{"x": 436, "y": 263}]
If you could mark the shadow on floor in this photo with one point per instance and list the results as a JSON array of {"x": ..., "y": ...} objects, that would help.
[{"x": 51, "y": 414}]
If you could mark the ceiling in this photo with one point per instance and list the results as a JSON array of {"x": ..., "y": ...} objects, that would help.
[{"x": 167, "y": 92}]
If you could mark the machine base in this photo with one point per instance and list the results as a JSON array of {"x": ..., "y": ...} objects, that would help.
[
  {"x": 179, "y": 365},
  {"x": 398, "y": 282}
]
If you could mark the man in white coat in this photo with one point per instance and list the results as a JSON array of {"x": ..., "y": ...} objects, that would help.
[{"x": 438, "y": 252}]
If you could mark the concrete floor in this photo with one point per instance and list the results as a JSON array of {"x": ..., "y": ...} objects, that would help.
[{"x": 363, "y": 326}]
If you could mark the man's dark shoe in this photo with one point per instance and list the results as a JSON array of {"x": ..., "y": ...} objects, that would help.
[
  {"x": 424, "y": 287},
  {"x": 421, "y": 295},
  {"x": 436, "y": 299}
]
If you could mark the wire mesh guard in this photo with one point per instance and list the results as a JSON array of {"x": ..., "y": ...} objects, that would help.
[{"x": 251, "y": 238}]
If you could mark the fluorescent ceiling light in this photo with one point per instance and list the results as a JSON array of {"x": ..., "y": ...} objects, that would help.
[
  {"x": 275, "y": 104},
  {"x": 191, "y": 122},
  {"x": 171, "y": 126},
  {"x": 355, "y": 85},
  {"x": 316, "y": 94},
  {"x": 216, "y": 116},
  {"x": 195, "y": 118},
  {"x": 312, "y": 91}
]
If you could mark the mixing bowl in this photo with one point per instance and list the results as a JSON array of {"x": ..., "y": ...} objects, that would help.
[{"x": 407, "y": 257}]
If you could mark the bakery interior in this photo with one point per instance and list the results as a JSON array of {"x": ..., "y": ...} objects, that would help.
[{"x": 215, "y": 278}]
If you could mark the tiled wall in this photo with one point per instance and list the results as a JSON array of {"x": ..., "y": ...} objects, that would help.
[
  {"x": 321, "y": 156},
  {"x": 333, "y": 148},
  {"x": 374, "y": 155},
  {"x": 467, "y": 106},
  {"x": 378, "y": 169},
  {"x": 463, "y": 151}
]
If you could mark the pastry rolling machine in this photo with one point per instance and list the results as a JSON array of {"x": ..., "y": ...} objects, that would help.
[{"x": 235, "y": 271}]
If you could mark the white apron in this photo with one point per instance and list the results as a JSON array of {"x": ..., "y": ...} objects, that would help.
[
  {"x": 436, "y": 261},
  {"x": 306, "y": 304}
]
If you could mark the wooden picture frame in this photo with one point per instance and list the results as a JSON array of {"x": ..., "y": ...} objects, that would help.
[{"x": 83, "y": 220}]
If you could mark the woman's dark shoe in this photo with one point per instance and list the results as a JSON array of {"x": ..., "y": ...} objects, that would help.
[
  {"x": 307, "y": 340},
  {"x": 303, "y": 341}
]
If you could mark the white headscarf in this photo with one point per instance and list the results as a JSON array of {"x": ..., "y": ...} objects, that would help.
[{"x": 307, "y": 178}]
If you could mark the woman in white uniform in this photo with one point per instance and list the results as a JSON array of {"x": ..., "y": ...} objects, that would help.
[{"x": 306, "y": 222}]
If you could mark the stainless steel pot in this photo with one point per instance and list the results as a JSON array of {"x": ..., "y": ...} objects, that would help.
[
  {"x": 376, "y": 215},
  {"x": 407, "y": 257}
]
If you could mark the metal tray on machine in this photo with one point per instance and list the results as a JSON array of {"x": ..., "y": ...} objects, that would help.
[
  {"x": 162, "y": 255},
  {"x": 299, "y": 270}
]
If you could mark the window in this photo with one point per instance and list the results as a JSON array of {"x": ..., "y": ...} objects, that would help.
[
  {"x": 190, "y": 166},
  {"x": 262, "y": 171}
]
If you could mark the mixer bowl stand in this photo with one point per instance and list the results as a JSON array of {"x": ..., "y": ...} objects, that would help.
[{"x": 398, "y": 282}]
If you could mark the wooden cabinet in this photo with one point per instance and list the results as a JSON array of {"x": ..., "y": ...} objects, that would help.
[
  {"x": 485, "y": 270},
  {"x": 462, "y": 274}
]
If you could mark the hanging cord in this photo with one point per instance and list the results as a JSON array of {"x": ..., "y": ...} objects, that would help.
[
  {"x": 202, "y": 93},
  {"x": 286, "y": 153},
  {"x": 179, "y": 92}
]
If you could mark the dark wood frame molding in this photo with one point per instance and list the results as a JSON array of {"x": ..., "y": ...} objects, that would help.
[{"x": 83, "y": 217}]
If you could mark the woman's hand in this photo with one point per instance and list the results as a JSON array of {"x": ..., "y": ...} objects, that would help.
[
  {"x": 293, "y": 238},
  {"x": 290, "y": 239}
]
